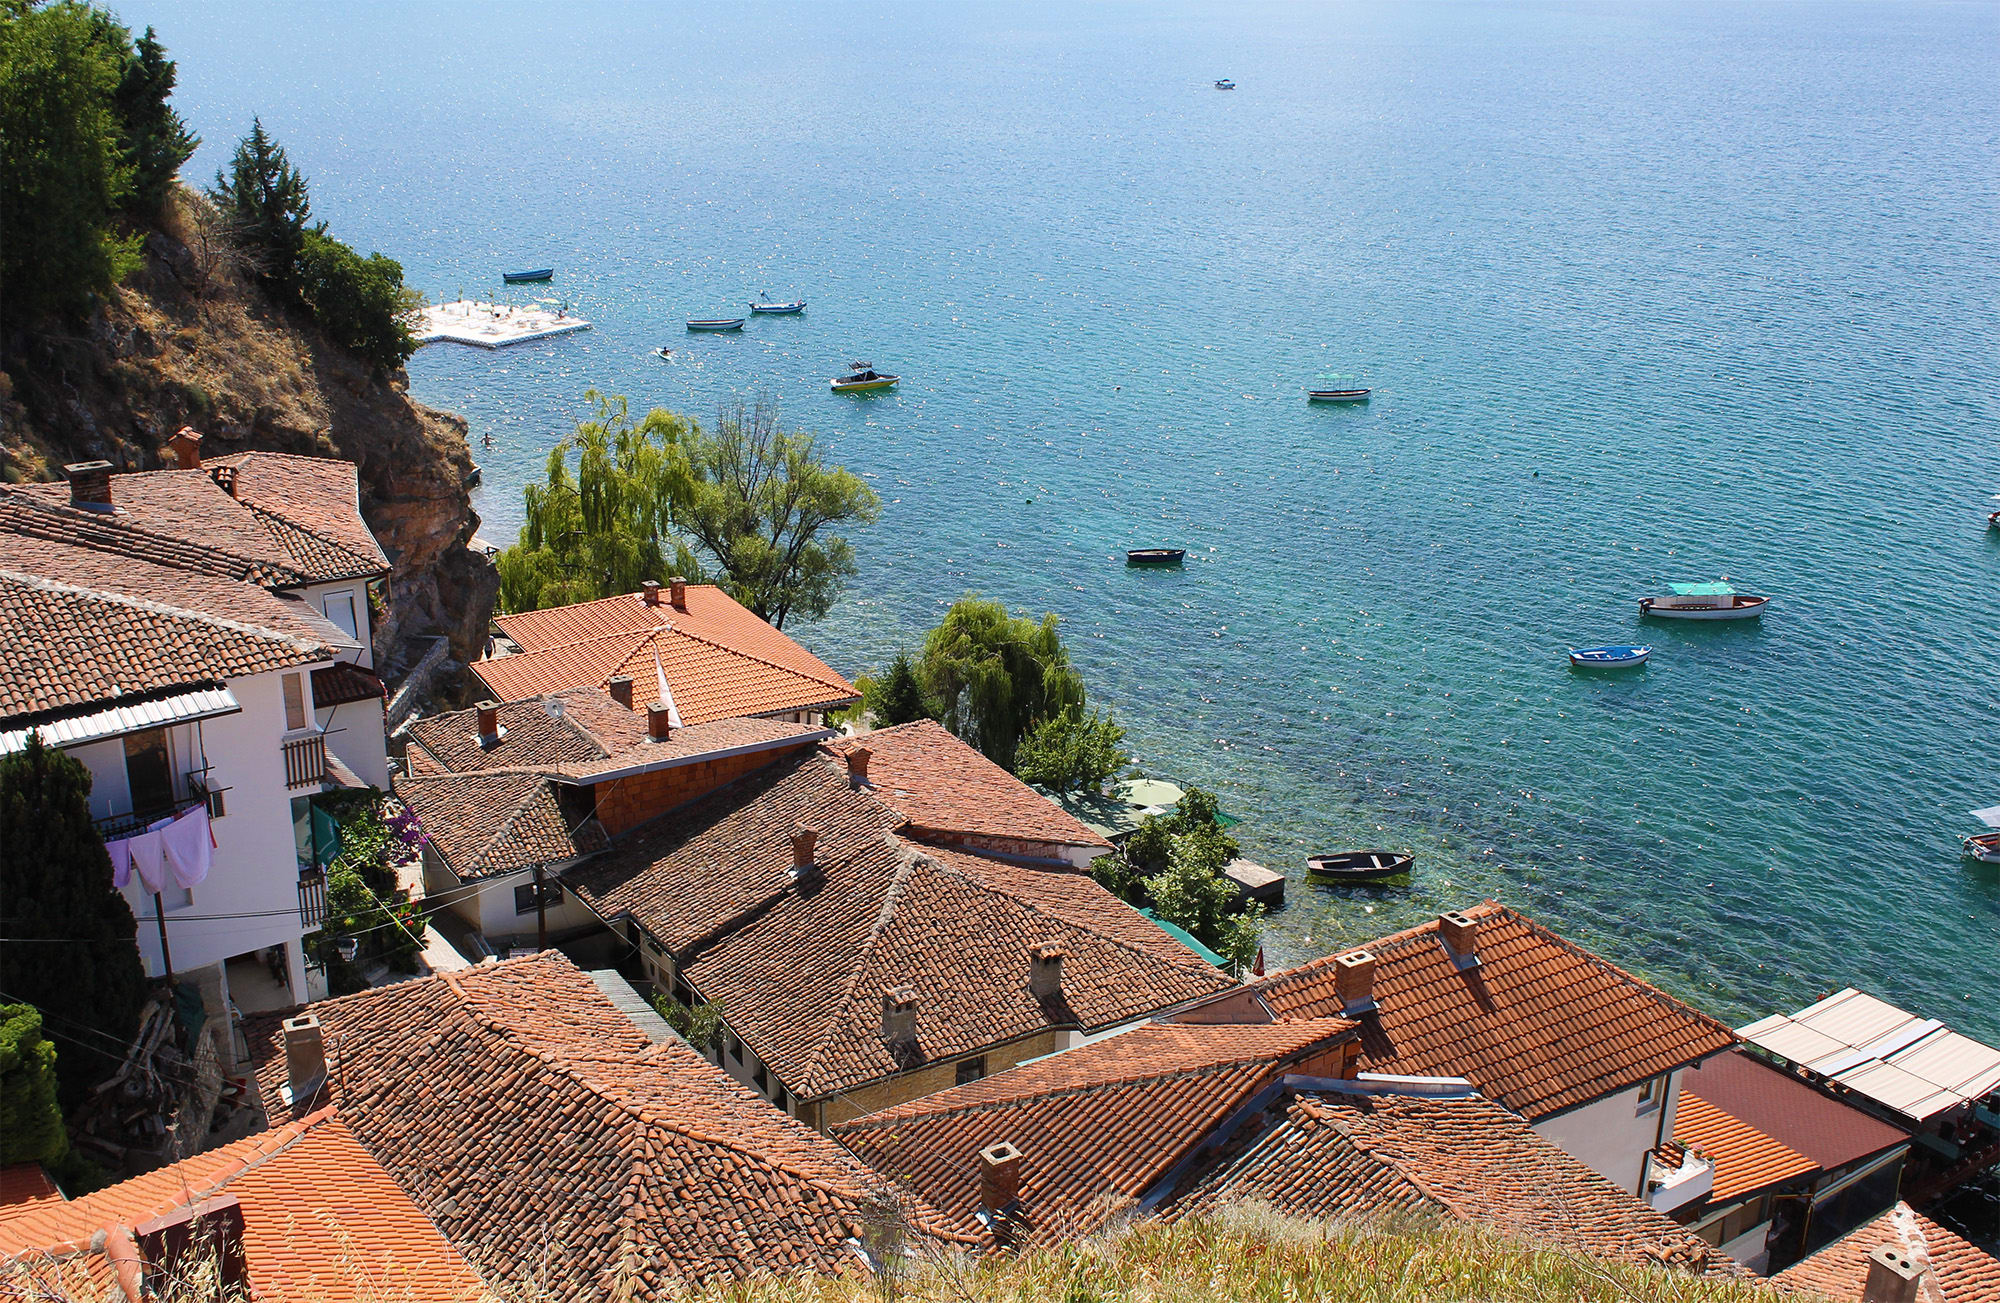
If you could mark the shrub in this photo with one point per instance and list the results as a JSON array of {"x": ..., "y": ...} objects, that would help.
[
  {"x": 1069, "y": 753},
  {"x": 31, "y": 1122},
  {"x": 359, "y": 303}
]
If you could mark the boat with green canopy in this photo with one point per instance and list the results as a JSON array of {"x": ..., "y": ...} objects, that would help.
[{"x": 1714, "y": 601}]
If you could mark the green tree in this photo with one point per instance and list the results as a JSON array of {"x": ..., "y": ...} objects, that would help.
[
  {"x": 1197, "y": 810},
  {"x": 898, "y": 696},
  {"x": 1192, "y": 893},
  {"x": 263, "y": 199},
  {"x": 71, "y": 949},
  {"x": 994, "y": 676},
  {"x": 699, "y": 1025},
  {"x": 152, "y": 137},
  {"x": 63, "y": 175},
  {"x": 1071, "y": 752},
  {"x": 31, "y": 1122},
  {"x": 359, "y": 303}
]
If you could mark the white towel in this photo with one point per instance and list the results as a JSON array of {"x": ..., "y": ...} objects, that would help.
[
  {"x": 148, "y": 853},
  {"x": 188, "y": 846},
  {"x": 121, "y": 862}
]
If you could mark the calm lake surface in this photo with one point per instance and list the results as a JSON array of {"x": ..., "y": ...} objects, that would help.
[{"x": 1646, "y": 292}]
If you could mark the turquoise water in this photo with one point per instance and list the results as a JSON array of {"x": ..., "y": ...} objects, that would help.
[{"x": 1647, "y": 293}]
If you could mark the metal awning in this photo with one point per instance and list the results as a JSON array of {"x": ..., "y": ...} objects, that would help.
[
  {"x": 116, "y": 721},
  {"x": 1990, "y": 816},
  {"x": 1917, "y": 1067}
]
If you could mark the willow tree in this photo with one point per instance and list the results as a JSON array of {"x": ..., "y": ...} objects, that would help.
[{"x": 993, "y": 676}]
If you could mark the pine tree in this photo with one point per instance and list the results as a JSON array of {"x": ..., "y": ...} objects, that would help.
[
  {"x": 898, "y": 697},
  {"x": 70, "y": 947},
  {"x": 155, "y": 140},
  {"x": 263, "y": 198}
]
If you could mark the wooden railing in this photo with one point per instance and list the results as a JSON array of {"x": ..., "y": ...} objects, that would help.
[
  {"x": 305, "y": 760},
  {"x": 312, "y": 897}
]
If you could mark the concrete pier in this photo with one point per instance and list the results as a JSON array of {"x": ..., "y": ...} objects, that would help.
[
  {"x": 1255, "y": 882},
  {"x": 491, "y": 325}
]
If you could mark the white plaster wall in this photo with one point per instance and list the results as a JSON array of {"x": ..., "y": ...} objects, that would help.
[
  {"x": 316, "y": 594},
  {"x": 1611, "y": 1134},
  {"x": 497, "y": 918},
  {"x": 109, "y": 792},
  {"x": 356, "y": 732}
]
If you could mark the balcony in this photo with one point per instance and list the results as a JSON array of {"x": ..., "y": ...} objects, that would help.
[
  {"x": 305, "y": 761},
  {"x": 312, "y": 897},
  {"x": 113, "y": 827},
  {"x": 1677, "y": 1176}
]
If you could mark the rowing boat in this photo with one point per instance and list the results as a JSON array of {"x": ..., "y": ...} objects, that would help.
[
  {"x": 1155, "y": 556},
  {"x": 717, "y": 323},
  {"x": 524, "y": 277},
  {"x": 1338, "y": 395},
  {"x": 1359, "y": 866},
  {"x": 1608, "y": 658}
]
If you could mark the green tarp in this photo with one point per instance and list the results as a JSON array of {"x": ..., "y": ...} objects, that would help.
[
  {"x": 1702, "y": 590},
  {"x": 1185, "y": 937},
  {"x": 325, "y": 836}
]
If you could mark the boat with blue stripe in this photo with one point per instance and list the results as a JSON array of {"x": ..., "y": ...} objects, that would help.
[{"x": 1608, "y": 658}]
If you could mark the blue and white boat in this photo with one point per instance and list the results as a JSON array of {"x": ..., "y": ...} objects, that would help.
[
  {"x": 769, "y": 309},
  {"x": 716, "y": 323},
  {"x": 1608, "y": 658},
  {"x": 1224, "y": 83}
]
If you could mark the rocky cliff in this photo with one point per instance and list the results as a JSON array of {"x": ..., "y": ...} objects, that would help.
[{"x": 189, "y": 340}]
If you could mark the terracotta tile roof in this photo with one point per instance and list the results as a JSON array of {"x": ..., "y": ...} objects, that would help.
[
  {"x": 801, "y": 971},
  {"x": 28, "y": 512},
  {"x": 1746, "y": 1160},
  {"x": 1539, "y": 1024},
  {"x": 1958, "y": 1271},
  {"x": 1098, "y": 1126},
  {"x": 22, "y": 1186},
  {"x": 318, "y": 501},
  {"x": 322, "y": 1220},
  {"x": 941, "y": 785},
  {"x": 550, "y": 1139},
  {"x": 1828, "y": 1131},
  {"x": 1339, "y": 1155},
  {"x": 720, "y": 660},
  {"x": 184, "y": 505},
  {"x": 492, "y": 823},
  {"x": 344, "y": 682}
]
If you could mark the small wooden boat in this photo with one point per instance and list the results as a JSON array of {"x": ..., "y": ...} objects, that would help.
[
  {"x": 861, "y": 377},
  {"x": 525, "y": 277},
  {"x": 1338, "y": 395},
  {"x": 717, "y": 323},
  {"x": 1608, "y": 658},
  {"x": 1716, "y": 601},
  {"x": 1225, "y": 83},
  {"x": 1358, "y": 866},
  {"x": 1155, "y": 556},
  {"x": 779, "y": 309},
  {"x": 1984, "y": 847}
]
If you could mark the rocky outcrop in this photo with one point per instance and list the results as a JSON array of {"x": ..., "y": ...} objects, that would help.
[{"x": 186, "y": 342}]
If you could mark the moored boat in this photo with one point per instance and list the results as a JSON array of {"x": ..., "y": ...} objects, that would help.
[
  {"x": 1608, "y": 658},
  {"x": 1155, "y": 556},
  {"x": 1985, "y": 846},
  {"x": 1717, "y": 601},
  {"x": 524, "y": 277},
  {"x": 1224, "y": 83},
  {"x": 1358, "y": 866},
  {"x": 793, "y": 308},
  {"x": 1338, "y": 395},
  {"x": 716, "y": 323},
  {"x": 1993, "y": 517},
  {"x": 861, "y": 377}
]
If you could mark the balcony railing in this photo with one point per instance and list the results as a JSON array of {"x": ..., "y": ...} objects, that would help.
[
  {"x": 112, "y": 827},
  {"x": 312, "y": 897},
  {"x": 305, "y": 760},
  {"x": 1675, "y": 1179}
]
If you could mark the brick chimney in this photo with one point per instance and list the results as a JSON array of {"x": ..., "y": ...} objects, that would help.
[
  {"x": 186, "y": 448},
  {"x": 1460, "y": 933},
  {"x": 1045, "y": 965},
  {"x": 678, "y": 593},
  {"x": 650, "y": 591},
  {"x": 89, "y": 484},
  {"x": 899, "y": 1016},
  {"x": 620, "y": 689},
  {"x": 857, "y": 766},
  {"x": 225, "y": 478},
  {"x": 179, "y": 1247},
  {"x": 305, "y": 1057},
  {"x": 1354, "y": 981},
  {"x": 1893, "y": 1277},
  {"x": 659, "y": 727},
  {"x": 804, "y": 837},
  {"x": 999, "y": 1177},
  {"x": 489, "y": 724}
]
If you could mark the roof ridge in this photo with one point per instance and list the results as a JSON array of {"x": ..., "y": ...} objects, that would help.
[
  {"x": 158, "y": 608},
  {"x": 843, "y": 1007},
  {"x": 671, "y": 627},
  {"x": 64, "y": 511},
  {"x": 641, "y": 635}
]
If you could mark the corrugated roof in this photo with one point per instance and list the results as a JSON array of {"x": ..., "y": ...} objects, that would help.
[
  {"x": 1746, "y": 1160},
  {"x": 113, "y": 721},
  {"x": 1915, "y": 1066}
]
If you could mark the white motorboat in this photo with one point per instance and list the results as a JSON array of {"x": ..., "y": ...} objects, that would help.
[
  {"x": 1717, "y": 601},
  {"x": 1985, "y": 846}
]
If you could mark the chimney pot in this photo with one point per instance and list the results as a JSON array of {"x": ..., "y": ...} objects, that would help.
[
  {"x": 1045, "y": 965},
  {"x": 857, "y": 765},
  {"x": 678, "y": 593},
  {"x": 1460, "y": 934},
  {"x": 620, "y": 689},
  {"x": 999, "y": 1177},
  {"x": 305, "y": 1058},
  {"x": 186, "y": 447},
  {"x": 89, "y": 484},
  {"x": 489, "y": 724},
  {"x": 225, "y": 478},
  {"x": 172, "y": 1248},
  {"x": 1893, "y": 1276},
  {"x": 651, "y": 591},
  {"x": 659, "y": 725},
  {"x": 899, "y": 1015},
  {"x": 1354, "y": 981},
  {"x": 804, "y": 838}
]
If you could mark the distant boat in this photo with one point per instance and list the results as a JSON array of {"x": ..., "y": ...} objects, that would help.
[
  {"x": 664, "y": 353},
  {"x": 1338, "y": 395},
  {"x": 860, "y": 378},
  {"x": 1985, "y": 846},
  {"x": 717, "y": 323},
  {"x": 1155, "y": 556},
  {"x": 1608, "y": 658},
  {"x": 1358, "y": 866},
  {"x": 524, "y": 277},
  {"x": 1993, "y": 517},
  {"x": 779, "y": 309},
  {"x": 1716, "y": 601},
  {"x": 1225, "y": 84}
]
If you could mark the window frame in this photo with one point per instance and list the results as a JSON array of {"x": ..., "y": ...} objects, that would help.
[
  {"x": 551, "y": 894},
  {"x": 326, "y": 605},
  {"x": 977, "y": 1065},
  {"x": 292, "y": 688}
]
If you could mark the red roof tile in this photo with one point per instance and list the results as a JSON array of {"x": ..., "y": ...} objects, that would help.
[
  {"x": 1746, "y": 1160},
  {"x": 1958, "y": 1271},
  {"x": 942, "y": 785},
  {"x": 316, "y": 503},
  {"x": 552, "y": 1142},
  {"x": 1828, "y": 1131},
  {"x": 322, "y": 1220},
  {"x": 23, "y": 1185},
  {"x": 343, "y": 682},
  {"x": 1538, "y": 1024},
  {"x": 493, "y": 823}
]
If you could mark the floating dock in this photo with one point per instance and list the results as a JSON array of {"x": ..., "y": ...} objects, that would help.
[
  {"x": 1255, "y": 882},
  {"x": 491, "y": 325}
]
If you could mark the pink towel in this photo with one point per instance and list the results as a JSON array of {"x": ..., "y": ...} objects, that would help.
[
  {"x": 121, "y": 862},
  {"x": 188, "y": 846}
]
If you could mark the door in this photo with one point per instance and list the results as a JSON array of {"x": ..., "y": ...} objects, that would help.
[{"x": 149, "y": 771}]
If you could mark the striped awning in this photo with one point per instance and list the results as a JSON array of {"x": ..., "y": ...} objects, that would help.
[{"x": 116, "y": 721}]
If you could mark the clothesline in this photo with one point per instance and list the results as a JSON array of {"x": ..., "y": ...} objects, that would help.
[{"x": 179, "y": 849}]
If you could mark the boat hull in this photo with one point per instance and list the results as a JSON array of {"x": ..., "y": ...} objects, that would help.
[
  {"x": 863, "y": 386},
  {"x": 1984, "y": 847},
  {"x": 1156, "y": 556},
  {"x": 528, "y": 277},
  {"x": 1741, "y": 607},
  {"x": 717, "y": 325},
  {"x": 1338, "y": 395},
  {"x": 1609, "y": 658},
  {"x": 1358, "y": 866},
  {"x": 778, "y": 309}
]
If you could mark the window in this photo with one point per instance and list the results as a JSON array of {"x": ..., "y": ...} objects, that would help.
[
  {"x": 971, "y": 1069},
  {"x": 295, "y": 702},
  {"x": 763, "y": 1080},
  {"x": 731, "y": 1045},
  {"x": 1651, "y": 1092},
  {"x": 149, "y": 771},
  {"x": 340, "y": 609},
  {"x": 524, "y": 896}
]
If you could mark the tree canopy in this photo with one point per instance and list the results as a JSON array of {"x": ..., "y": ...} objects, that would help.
[
  {"x": 1072, "y": 752},
  {"x": 70, "y": 951},
  {"x": 897, "y": 697},
  {"x": 31, "y": 1122},
  {"x": 263, "y": 199},
  {"x": 152, "y": 138},
  {"x": 993, "y": 676}
]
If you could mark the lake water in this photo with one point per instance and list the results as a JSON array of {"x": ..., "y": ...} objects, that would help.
[{"x": 1646, "y": 292}]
